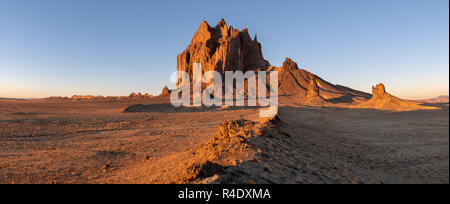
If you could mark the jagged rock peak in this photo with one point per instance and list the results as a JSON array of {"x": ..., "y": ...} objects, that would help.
[
  {"x": 222, "y": 49},
  {"x": 288, "y": 64},
  {"x": 206, "y": 33},
  {"x": 222, "y": 23},
  {"x": 378, "y": 90},
  {"x": 203, "y": 33},
  {"x": 204, "y": 24},
  {"x": 165, "y": 91}
]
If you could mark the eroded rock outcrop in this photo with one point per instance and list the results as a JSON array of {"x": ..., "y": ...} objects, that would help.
[
  {"x": 82, "y": 97},
  {"x": 313, "y": 89},
  {"x": 294, "y": 81},
  {"x": 313, "y": 94},
  {"x": 137, "y": 96},
  {"x": 378, "y": 91},
  {"x": 132, "y": 96},
  {"x": 382, "y": 100},
  {"x": 222, "y": 48},
  {"x": 165, "y": 92}
]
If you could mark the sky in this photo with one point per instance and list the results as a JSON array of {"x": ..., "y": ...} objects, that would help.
[{"x": 115, "y": 47}]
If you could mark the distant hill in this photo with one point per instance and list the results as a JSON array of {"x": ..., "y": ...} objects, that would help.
[
  {"x": 439, "y": 99},
  {"x": 13, "y": 99},
  {"x": 132, "y": 96}
]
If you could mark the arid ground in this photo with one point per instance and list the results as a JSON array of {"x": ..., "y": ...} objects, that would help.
[{"x": 65, "y": 141}]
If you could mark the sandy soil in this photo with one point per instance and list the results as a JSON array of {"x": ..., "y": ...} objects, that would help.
[
  {"x": 334, "y": 145},
  {"x": 86, "y": 142},
  {"x": 45, "y": 141}
]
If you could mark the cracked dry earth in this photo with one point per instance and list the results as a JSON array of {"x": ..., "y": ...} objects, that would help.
[{"x": 98, "y": 142}]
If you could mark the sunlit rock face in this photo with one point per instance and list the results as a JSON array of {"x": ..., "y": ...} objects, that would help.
[{"x": 222, "y": 48}]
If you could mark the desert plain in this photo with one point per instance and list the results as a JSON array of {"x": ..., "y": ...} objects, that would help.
[{"x": 66, "y": 141}]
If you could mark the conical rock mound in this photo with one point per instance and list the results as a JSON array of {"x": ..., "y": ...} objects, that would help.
[
  {"x": 165, "y": 92},
  {"x": 295, "y": 81},
  {"x": 382, "y": 100}
]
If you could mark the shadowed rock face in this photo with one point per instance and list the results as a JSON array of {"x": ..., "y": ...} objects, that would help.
[
  {"x": 304, "y": 84},
  {"x": 222, "y": 48}
]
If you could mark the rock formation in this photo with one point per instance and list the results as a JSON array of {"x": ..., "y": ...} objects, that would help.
[
  {"x": 439, "y": 99},
  {"x": 85, "y": 97},
  {"x": 132, "y": 96},
  {"x": 378, "y": 91},
  {"x": 313, "y": 95},
  {"x": 138, "y": 96},
  {"x": 382, "y": 100},
  {"x": 165, "y": 92},
  {"x": 295, "y": 81},
  {"x": 313, "y": 89},
  {"x": 222, "y": 48}
]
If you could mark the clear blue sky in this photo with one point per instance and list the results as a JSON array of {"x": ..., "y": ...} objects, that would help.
[{"x": 112, "y": 47}]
